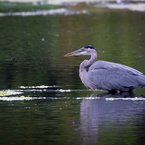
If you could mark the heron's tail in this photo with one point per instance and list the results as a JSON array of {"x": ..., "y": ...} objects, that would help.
[{"x": 141, "y": 80}]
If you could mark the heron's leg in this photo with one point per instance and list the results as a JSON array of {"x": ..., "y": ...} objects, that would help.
[
  {"x": 113, "y": 91},
  {"x": 128, "y": 90}
]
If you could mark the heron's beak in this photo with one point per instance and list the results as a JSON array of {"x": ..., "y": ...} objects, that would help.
[{"x": 76, "y": 53}]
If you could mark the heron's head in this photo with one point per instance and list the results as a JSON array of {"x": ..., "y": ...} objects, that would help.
[{"x": 86, "y": 50}]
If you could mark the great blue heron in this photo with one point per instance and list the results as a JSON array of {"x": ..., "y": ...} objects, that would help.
[{"x": 106, "y": 75}]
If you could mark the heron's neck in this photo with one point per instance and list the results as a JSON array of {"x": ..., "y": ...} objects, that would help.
[
  {"x": 92, "y": 59},
  {"x": 84, "y": 66}
]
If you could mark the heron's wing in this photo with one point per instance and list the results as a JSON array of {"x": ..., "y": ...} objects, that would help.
[
  {"x": 107, "y": 75},
  {"x": 107, "y": 65}
]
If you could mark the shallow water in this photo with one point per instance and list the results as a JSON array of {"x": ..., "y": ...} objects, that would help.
[{"x": 42, "y": 100}]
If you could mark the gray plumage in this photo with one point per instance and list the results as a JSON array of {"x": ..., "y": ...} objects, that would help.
[{"x": 107, "y": 75}]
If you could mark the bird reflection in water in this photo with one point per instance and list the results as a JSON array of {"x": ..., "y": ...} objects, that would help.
[{"x": 102, "y": 114}]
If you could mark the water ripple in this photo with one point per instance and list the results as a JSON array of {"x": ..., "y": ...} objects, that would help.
[
  {"x": 61, "y": 11},
  {"x": 126, "y": 99}
]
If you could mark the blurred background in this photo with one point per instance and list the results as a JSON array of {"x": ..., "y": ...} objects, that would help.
[{"x": 35, "y": 35}]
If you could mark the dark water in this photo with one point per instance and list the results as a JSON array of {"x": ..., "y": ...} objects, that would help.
[{"x": 42, "y": 98}]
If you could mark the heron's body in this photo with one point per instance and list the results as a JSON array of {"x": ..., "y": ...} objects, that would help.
[
  {"x": 106, "y": 75},
  {"x": 111, "y": 76}
]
